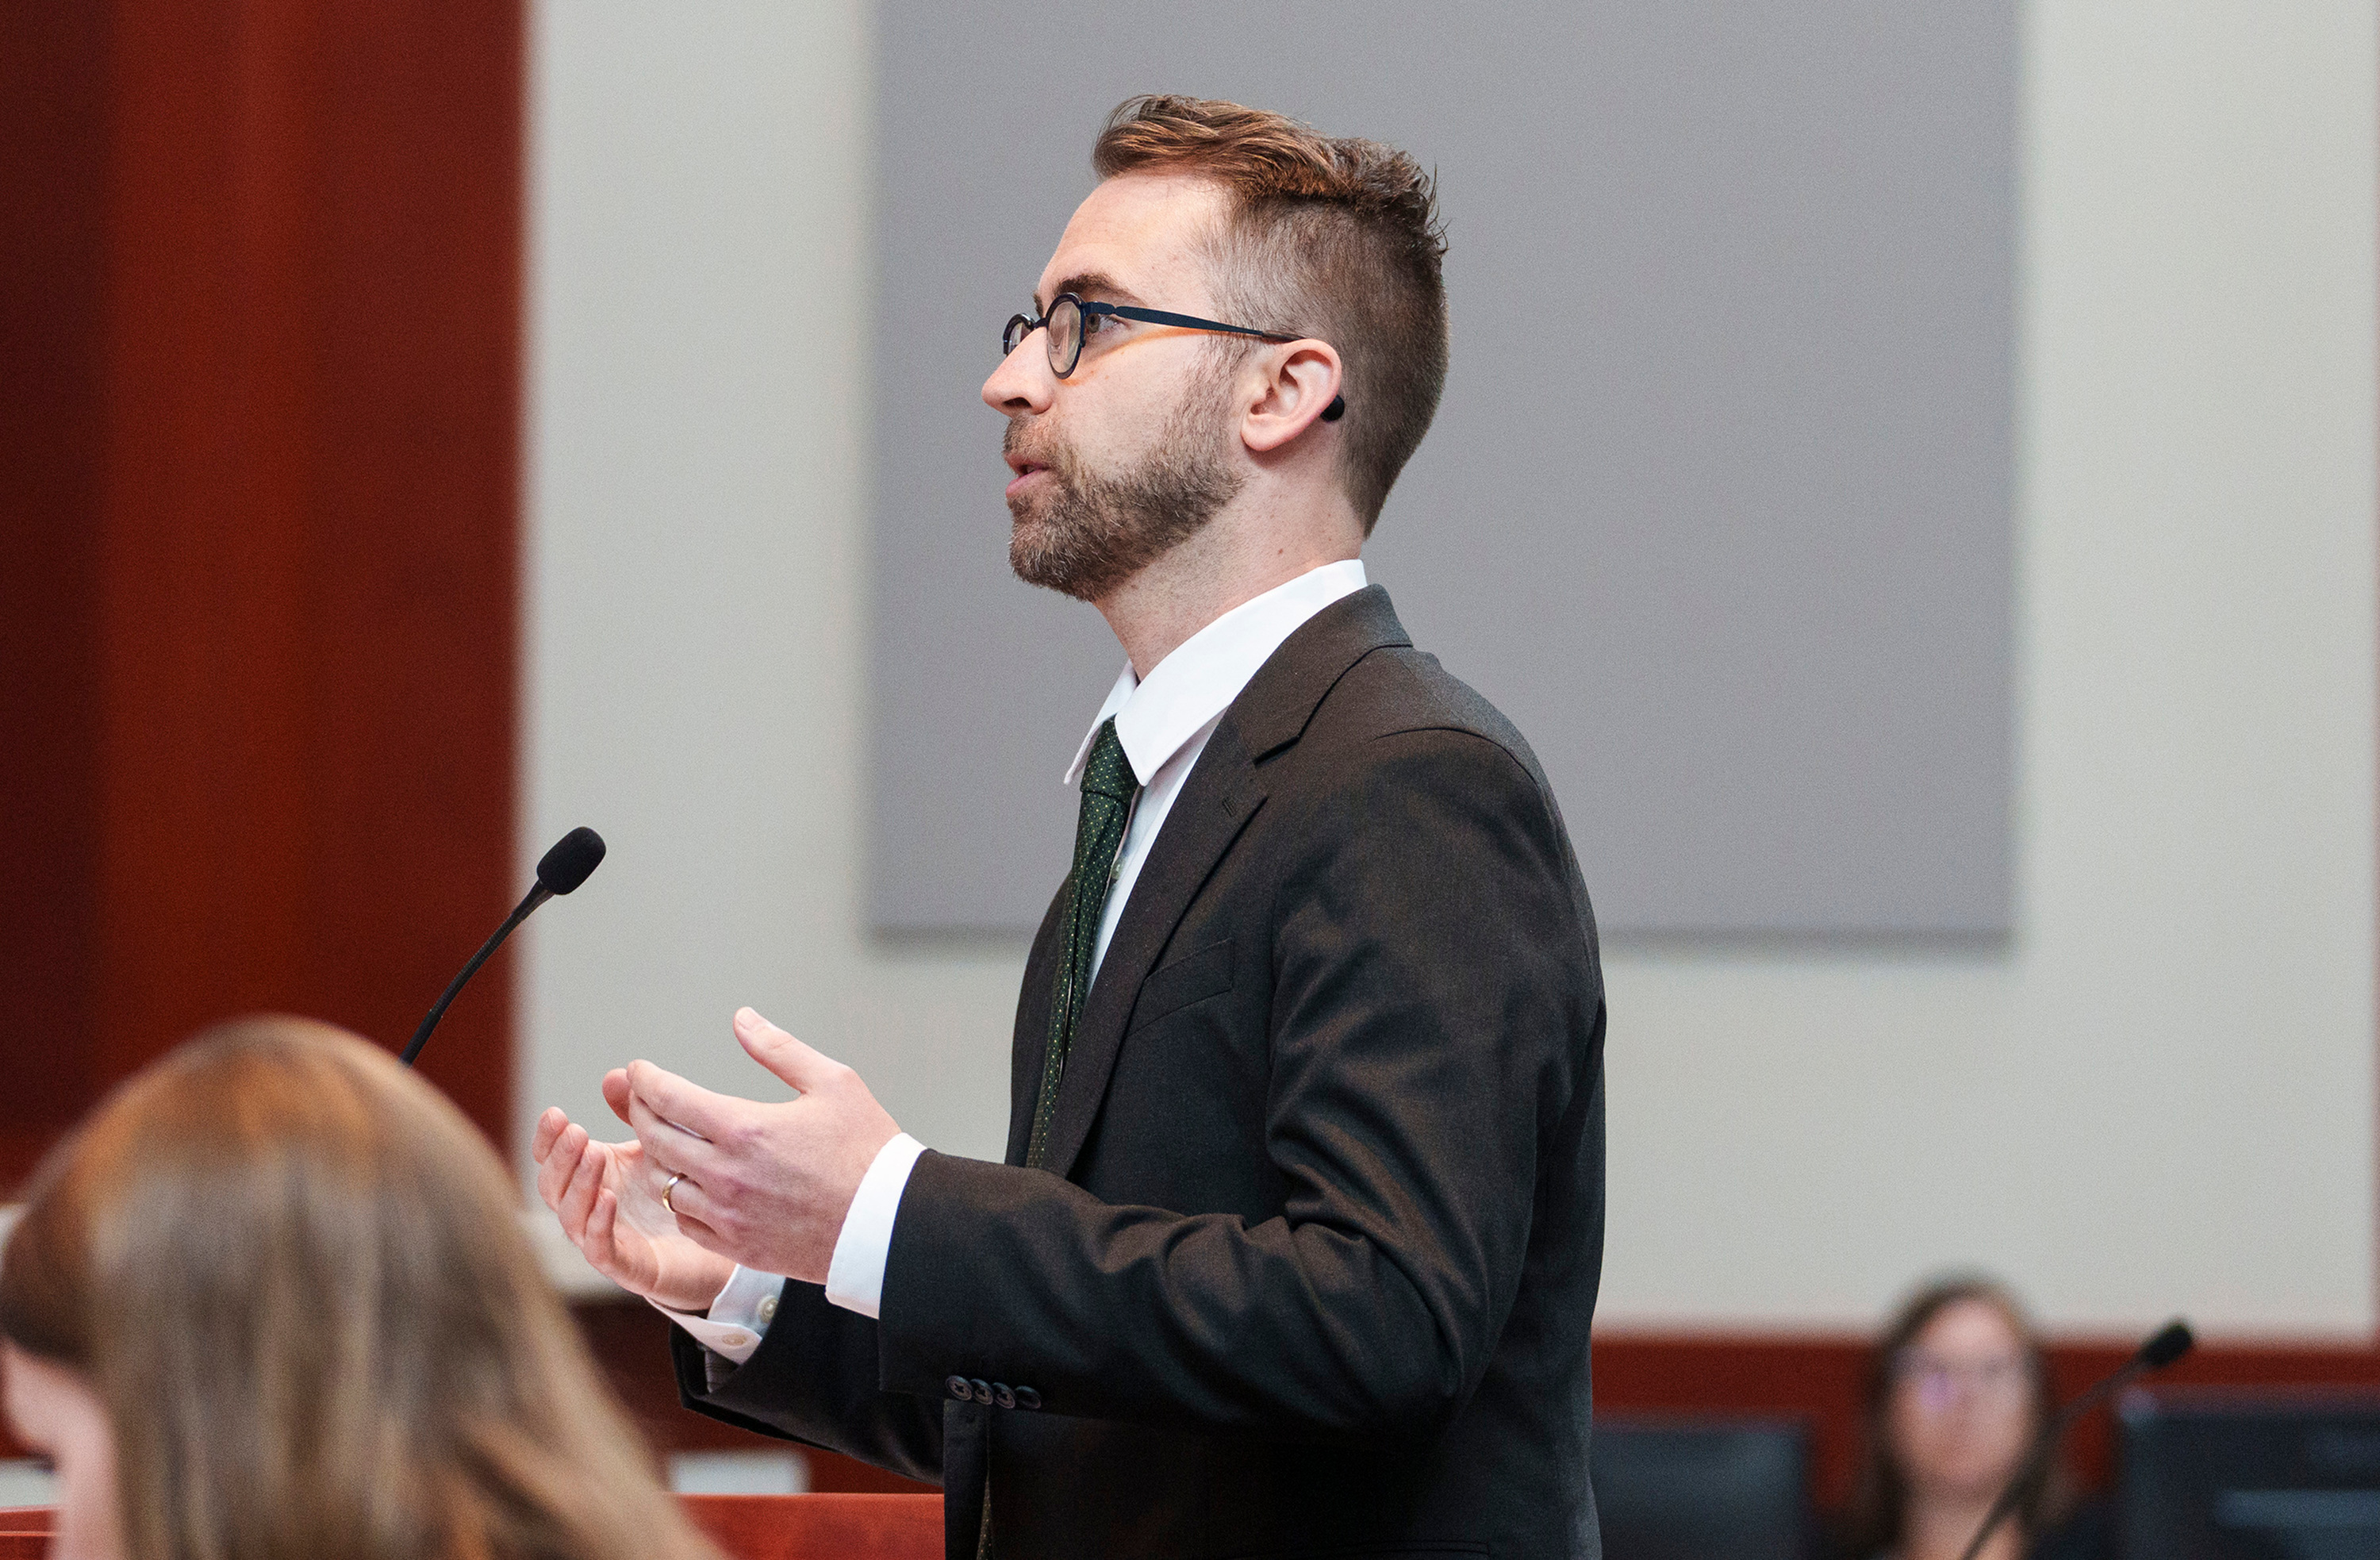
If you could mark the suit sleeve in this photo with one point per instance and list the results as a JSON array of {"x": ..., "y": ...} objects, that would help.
[
  {"x": 1433, "y": 995},
  {"x": 815, "y": 1379}
]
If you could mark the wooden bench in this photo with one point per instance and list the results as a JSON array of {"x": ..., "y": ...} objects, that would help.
[{"x": 832, "y": 1527}]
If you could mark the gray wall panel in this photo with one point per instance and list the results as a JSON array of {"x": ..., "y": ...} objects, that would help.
[{"x": 1718, "y": 505}]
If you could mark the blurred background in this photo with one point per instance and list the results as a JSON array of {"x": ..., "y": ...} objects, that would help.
[{"x": 427, "y": 427}]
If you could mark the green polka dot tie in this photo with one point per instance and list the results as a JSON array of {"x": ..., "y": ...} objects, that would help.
[{"x": 1108, "y": 791}]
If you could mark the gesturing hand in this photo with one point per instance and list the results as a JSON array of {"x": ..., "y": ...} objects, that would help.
[
  {"x": 610, "y": 1207},
  {"x": 763, "y": 1185}
]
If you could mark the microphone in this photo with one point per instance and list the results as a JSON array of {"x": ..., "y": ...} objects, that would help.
[
  {"x": 573, "y": 859},
  {"x": 2164, "y": 1347}
]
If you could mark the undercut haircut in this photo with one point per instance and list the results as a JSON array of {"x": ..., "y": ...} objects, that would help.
[{"x": 1332, "y": 237}]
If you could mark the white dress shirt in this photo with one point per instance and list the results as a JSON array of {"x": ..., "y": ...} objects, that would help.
[{"x": 1163, "y": 722}]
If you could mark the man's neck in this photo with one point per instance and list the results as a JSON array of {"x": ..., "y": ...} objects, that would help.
[{"x": 1233, "y": 560}]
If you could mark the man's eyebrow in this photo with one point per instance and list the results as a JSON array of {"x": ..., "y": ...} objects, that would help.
[{"x": 1096, "y": 285}]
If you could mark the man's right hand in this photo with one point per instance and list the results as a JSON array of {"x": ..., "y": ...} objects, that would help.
[{"x": 604, "y": 1195}]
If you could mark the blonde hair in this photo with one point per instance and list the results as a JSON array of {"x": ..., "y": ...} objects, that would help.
[{"x": 294, "y": 1274}]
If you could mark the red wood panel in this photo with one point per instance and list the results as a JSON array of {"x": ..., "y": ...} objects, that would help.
[
  {"x": 259, "y": 589},
  {"x": 53, "y": 223},
  {"x": 1814, "y": 1377},
  {"x": 849, "y": 1527}
]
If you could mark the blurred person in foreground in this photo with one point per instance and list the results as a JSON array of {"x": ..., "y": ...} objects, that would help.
[
  {"x": 1958, "y": 1390},
  {"x": 272, "y": 1302}
]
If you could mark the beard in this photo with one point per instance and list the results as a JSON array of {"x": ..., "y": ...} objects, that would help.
[{"x": 1088, "y": 531}]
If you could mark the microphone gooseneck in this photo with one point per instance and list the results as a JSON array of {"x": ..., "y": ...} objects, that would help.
[
  {"x": 573, "y": 857},
  {"x": 2164, "y": 1347}
]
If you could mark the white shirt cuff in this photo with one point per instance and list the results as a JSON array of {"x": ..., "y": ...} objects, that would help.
[
  {"x": 855, "y": 1277},
  {"x": 739, "y": 1315}
]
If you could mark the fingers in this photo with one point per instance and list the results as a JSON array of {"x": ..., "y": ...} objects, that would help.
[
  {"x": 549, "y": 1127},
  {"x": 673, "y": 1191},
  {"x": 783, "y": 1055},
  {"x": 586, "y": 1209},
  {"x": 668, "y": 1147},
  {"x": 684, "y": 1201},
  {"x": 576, "y": 1203},
  {"x": 615, "y": 1091},
  {"x": 702, "y": 1235},
  {"x": 602, "y": 1246},
  {"x": 558, "y": 1160},
  {"x": 681, "y": 1280},
  {"x": 687, "y": 1106},
  {"x": 688, "y": 1204}
]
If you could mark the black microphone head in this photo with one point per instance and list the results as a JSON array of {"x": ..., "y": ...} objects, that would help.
[
  {"x": 573, "y": 859},
  {"x": 2171, "y": 1343}
]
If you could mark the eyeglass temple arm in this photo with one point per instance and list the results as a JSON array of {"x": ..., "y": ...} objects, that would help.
[
  {"x": 1331, "y": 413},
  {"x": 1186, "y": 322}
]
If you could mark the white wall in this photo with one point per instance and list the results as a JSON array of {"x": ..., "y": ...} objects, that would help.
[
  {"x": 2161, "y": 1097},
  {"x": 698, "y": 221}
]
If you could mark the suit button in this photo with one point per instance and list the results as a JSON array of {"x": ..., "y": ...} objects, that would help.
[
  {"x": 982, "y": 1390},
  {"x": 1027, "y": 1398},
  {"x": 1002, "y": 1395},
  {"x": 959, "y": 1388}
]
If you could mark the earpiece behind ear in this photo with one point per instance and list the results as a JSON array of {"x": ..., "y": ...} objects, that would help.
[{"x": 1336, "y": 409}]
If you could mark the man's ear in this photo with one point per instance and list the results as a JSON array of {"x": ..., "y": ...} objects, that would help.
[{"x": 1303, "y": 382}]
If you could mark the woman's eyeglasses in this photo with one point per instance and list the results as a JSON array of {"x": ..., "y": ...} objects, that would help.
[{"x": 1940, "y": 1382}]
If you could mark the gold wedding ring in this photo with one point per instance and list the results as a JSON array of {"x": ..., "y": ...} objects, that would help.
[{"x": 670, "y": 1188}]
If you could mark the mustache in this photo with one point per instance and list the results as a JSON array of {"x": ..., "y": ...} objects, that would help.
[{"x": 1026, "y": 442}]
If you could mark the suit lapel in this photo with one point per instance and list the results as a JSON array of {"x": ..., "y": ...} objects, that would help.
[
  {"x": 1224, "y": 790},
  {"x": 1032, "y": 1039}
]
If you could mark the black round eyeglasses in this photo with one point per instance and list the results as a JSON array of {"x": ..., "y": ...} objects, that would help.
[{"x": 1066, "y": 320}]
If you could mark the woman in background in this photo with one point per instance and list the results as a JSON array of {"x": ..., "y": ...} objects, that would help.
[
  {"x": 1957, "y": 1391},
  {"x": 272, "y": 1302}
]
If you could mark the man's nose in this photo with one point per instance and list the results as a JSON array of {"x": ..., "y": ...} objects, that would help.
[{"x": 1022, "y": 383}]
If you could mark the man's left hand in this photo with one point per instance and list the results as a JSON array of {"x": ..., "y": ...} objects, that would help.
[{"x": 766, "y": 1186}]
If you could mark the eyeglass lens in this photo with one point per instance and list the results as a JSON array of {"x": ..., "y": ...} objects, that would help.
[
  {"x": 1940, "y": 1382},
  {"x": 1065, "y": 324},
  {"x": 1065, "y": 334}
]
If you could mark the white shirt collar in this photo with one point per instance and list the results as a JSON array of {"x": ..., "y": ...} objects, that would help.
[{"x": 1154, "y": 717}]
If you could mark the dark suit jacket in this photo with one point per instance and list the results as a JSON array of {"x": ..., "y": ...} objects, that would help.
[{"x": 1312, "y": 1266}]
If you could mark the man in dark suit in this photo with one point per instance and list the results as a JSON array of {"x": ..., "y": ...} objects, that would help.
[{"x": 1296, "y": 1247}]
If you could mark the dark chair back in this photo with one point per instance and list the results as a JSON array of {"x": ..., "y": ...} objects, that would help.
[{"x": 1703, "y": 1488}]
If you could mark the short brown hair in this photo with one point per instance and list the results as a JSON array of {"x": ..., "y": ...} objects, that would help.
[
  {"x": 1331, "y": 237},
  {"x": 1880, "y": 1498},
  {"x": 295, "y": 1277}
]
